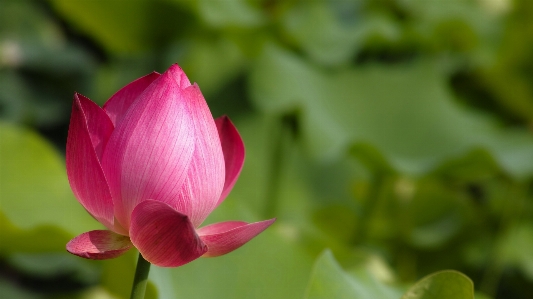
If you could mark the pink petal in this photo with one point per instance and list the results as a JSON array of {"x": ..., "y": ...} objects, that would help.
[
  {"x": 180, "y": 76},
  {"x": 99, "y": 245},
  {"x": 121, "y": 101},
  {"x": 164, "y": 236},
  {"x": 224, "y": 237},
  {"x": 149, "y": 153},
  {"x": 233, "y": 149},
  {"x": 88, "y": 133},
  {"x": 205, "y": 178}
]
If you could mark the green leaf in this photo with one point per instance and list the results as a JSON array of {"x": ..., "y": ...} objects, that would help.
[
  {"x": 328, "y": 280},
  {"x": 141, "y": 25},
  {"x": 331, "y": 32},
  {"x": 515, "y": 246},
  {"x": 44, "y": 238},
  {"x": 442, "y": 285},
  {"x": 405, "y": 111},
  {"x": 35, "y": 189},
  {"x": 211, "y": 62},
  {"x": 237, "y": 13},
  {"x": 9, "y": 290}
]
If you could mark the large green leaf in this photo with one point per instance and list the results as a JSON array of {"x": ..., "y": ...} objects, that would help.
[
  {"x": 406, "y": 111},
  {"x": 35, "y": 189},
  {"x": 328, "y": 280},
  {"x": 442, "y": 285}
]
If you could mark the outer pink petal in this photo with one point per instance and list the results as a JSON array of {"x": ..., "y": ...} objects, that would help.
[
  {"x": 224, "y": 237},
  {"x": 99, "y": 245},
  {"x": 233, "y": 149},
  {"x": 88, "y": 133},
  {"x": 205, "y": 178},
  {"x": 164, "y": 236},
  {"x": 149, "y": 153},
  {"x": 121, "y": 101}
]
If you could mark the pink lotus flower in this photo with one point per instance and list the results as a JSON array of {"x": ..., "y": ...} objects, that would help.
[{"x": 150, "y": 166}]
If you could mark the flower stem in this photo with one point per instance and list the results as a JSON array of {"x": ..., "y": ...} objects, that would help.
[{"x": 141, "y": 278}]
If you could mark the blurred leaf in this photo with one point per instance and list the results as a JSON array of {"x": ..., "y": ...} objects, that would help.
[
  {"x": 338, "y": 220},
  {"x": 230, "y": 13},
  {"x": 9, "y": 290},
  {"x": 13, "y": 97},
  {"x": 141, "y": 25},
  {"x": 442, "y": 285},
  {"x": 30, "y": 38},
  {"x": 508, "y": 78},
  {"x": 117, "y": 73},
  {"x": 92, "y": 293},
  {"x": 331, "y": 32},
  {"x": 371, "y": 158},
  {"x": 24, "y": 21},
  {"x": 475, "y": 165},
  {"x": 516, "y": 246},
  {"x": 434, "y": 215},
  {"x": 328, "y": 280},
  {"x": 406, "y": 111},
  {"x": 44, "y": 238},
  {"x": 35, "y": 189},
  {"x": 211, "y": 62},
  {"x": 39, "y": 68},
  {"x": 47, "y": 265}
]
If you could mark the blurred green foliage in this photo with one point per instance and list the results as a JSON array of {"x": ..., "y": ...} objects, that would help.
[{"x": 394, "y": 133}]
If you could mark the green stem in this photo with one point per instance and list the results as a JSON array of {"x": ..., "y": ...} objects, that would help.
[
  {"x": 141, "y": 278},
  {"x": 369, "y": 208},
  {"x": 275, "y": 172}
]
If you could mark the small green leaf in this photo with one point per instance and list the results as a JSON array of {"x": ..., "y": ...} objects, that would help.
[
  {"x": 442, "y": 285},
  {"x": 405, "y": 111}
]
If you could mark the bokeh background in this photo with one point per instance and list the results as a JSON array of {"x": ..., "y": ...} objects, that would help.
[{"x": 395, "y": 133}]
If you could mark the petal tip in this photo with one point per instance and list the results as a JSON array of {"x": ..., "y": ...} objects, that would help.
[
  {"x": 225, "y": 237},
  {"x": 179, "y": 75}
]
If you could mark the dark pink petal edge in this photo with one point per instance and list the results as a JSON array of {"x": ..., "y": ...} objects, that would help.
[
  {"x": 224, "y": 237},
  {"x": 164, "y": 236},
  {"x": 233, "y": 149},
  {"x": 88, "y": 133},
  {"x": 99, "y": 245}
]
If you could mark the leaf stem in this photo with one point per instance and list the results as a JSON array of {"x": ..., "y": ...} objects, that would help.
[
  {"x": 275, "y": 172},
  {"x": 141, "y": 278}
]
